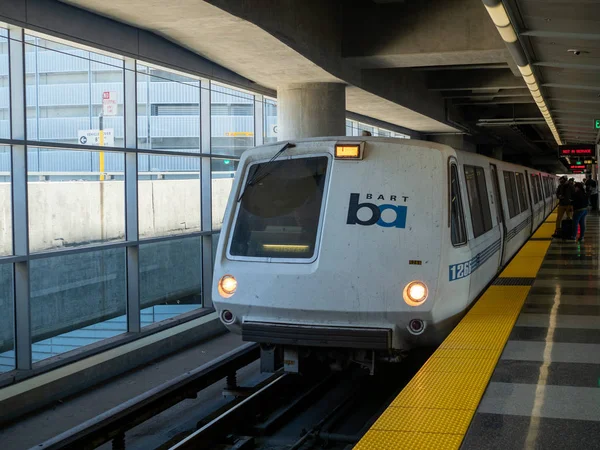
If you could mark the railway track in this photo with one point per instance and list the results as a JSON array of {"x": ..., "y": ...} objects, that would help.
[
  {"x": 319, "y": 409},
  {"x": 294, "y": 412}
]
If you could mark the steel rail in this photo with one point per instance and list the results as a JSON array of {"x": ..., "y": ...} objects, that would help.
[
  {"x": 114, "y": 423},
  {"x": 222, "y": 424}
]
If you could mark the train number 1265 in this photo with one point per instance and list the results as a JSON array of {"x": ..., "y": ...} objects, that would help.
[{"x": 458, "y": 271}]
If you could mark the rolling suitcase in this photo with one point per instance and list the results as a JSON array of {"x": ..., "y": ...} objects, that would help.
[{"x": 566, "y": 228}]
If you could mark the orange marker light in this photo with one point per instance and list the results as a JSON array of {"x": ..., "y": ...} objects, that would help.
[{"x": 347, "y": 151}]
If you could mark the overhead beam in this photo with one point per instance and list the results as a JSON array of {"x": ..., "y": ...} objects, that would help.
[
  {"x": 419, "y": 33},
  {"x": 560, "y": 65},
  {"x": 576, "y": 129},
  {"x": 581, "y": 131},
  {"x": 568, "y": 119},
  {"x": 521, "y": 92},
  {"x": 562, "y": 35},
  {"x": 474, "y": 80},
  {"x": 497, "y": 101},
  {"x": 578, "y": 126},
  {"x": 572, "y": 100},
  {"x": 314, "y": 30},
  {"x": 511, "y": 122},
  {"x": 582, "y": 87},
  {"x": 577, "y": 112},
  {"x": 502, "y": 111},
  {"x": 579, "y": 135},
  {"x": 462, "y": 67}
]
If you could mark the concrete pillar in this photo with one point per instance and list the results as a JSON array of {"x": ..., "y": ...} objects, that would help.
[{"x": 307, "y": 110}]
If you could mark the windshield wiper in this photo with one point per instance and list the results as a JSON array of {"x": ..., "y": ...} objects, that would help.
[{"x": 263, "y": 172}]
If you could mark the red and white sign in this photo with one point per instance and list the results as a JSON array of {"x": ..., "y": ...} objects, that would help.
[{"x": 109, "y": 103}]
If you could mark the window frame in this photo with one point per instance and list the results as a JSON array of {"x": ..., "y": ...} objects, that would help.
[
  {"x": 539, "y": 185},
  {"x": 521, "y": 191},
  {"x": 535, "y": 189},
  {"x": 453, "y": 165},
  {"x": 481, "y": 211},
  {"x": 319, "y": 233},
  {"x": 512, "y": 195}
]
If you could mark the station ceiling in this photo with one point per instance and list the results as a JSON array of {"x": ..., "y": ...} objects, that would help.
[
  {"x": 563, "y": 41},
  {"x": 434, "y": 66}
]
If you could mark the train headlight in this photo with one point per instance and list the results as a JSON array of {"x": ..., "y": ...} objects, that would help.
[
  {"x": 227, "y": 286},
  {"x": 415, "y": 293}
]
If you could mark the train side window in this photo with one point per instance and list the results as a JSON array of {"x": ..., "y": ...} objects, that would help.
[
  {"x": 457, "y": 218},
  {"x": 520, "y": 179},
  {"x": 538, "y": 181},
  {"x": 536, "y": 189},
  {"x": 543, "y": 188},
  {"x": 483, "y": 197},
  {"x": 511, "y": 193},
  {"x": 479, "y": 204}
]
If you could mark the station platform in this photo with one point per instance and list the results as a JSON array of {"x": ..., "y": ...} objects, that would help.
[{"x": 521, "y": 370}]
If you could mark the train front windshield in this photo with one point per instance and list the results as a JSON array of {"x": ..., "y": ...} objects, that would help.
[{"x": 278, "y": 215}]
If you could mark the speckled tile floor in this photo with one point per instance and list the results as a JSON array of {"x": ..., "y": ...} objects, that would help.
[{"x": 544, "y": 393}]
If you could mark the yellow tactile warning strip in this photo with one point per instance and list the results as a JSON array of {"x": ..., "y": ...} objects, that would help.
[
  {"x": 528, "y": 261},
  {"x": 545, "y": 231},
  {"x": 551, "y": 218},
  {"x": 435, "y": 408}
]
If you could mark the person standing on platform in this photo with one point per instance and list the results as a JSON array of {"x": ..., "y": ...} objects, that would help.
[
  {"x": 591, "y": 188},
  {"x": 580, "y": 210},
  {"x": 563, "y": 193}
]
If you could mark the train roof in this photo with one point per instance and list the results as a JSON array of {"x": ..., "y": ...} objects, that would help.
[{"x": 443, "y": 148}]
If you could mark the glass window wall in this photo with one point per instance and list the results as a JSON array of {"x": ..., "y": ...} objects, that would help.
[
  {"x": 168, "y": 110},
  {"x": 170, "y": 278},
  {"x": 76, "y": 300},
  {"x": 5, "y": 202},
  {"x": 71, "y": 203},
  {"x": 78, "y": 202},
  {"x": 168, "y": 195},
  {"x": 270, "y": 119},
  {"x": 355, "y": 128},
  {"x": 74, "y": 96},
  {"x": 231, "y": 120},
  {"x": 4, "y": 86},
  {"x": 7, "y": 341},
  {"x": 222, "y": 175}
]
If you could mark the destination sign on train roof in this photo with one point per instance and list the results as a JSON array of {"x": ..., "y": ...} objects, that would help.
[{"x": 576, "y": 150}]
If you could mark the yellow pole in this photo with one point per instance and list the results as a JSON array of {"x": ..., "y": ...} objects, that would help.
[{"x": 101, "y": 156}]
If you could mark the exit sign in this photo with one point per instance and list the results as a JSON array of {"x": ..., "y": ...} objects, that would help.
[{"x": 597, "y": 124}]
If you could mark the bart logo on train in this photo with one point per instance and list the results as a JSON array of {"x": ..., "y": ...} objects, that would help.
[{"x": 376, "y": 213}]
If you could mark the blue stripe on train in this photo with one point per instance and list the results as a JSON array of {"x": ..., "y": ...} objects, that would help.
[{"x": 464, "y": 269}]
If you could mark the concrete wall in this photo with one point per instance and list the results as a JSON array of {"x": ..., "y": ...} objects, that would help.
[
  {"x": 70, "y": 213},
  {"x": 72, "y": 291}
]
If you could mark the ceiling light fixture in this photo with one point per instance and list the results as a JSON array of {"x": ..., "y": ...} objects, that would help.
[{"x": 499, "y": 16}]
